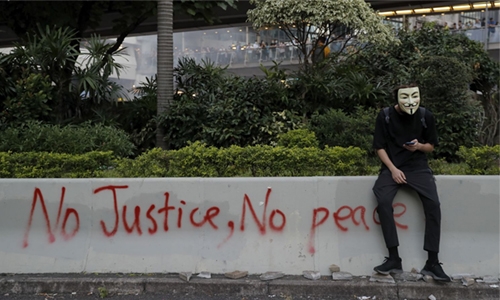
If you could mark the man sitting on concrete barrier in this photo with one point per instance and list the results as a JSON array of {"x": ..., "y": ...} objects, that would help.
[{"x": 404, "y": 134}]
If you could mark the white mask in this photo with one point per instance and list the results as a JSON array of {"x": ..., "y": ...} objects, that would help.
[{"x": 409, "y": 99}]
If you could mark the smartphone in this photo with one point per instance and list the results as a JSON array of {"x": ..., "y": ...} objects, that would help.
[{"x": 410, "y": 143}]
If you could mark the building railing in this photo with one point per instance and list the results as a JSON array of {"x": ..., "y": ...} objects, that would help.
[
  {"x": 483, "y": 35},
  {"x": 289, "y": 54},
  {"x": 250, "y": 57}
]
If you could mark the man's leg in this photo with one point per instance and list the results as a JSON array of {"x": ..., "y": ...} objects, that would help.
[
  {"x": 423, "y": 182},
  {"x": 425, "y": 185},
  {"x": 385, "y": 190}
]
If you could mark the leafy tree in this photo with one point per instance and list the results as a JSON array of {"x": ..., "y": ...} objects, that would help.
[
  {"x": 222, "y": 110},
  {"x": 486, "y": 81},
  {"x": 458, "y": 115},
  {"x": 82, "y": 17},
  {"x": 339, "y": 86},
  {"x": 337, "y": 128},
  {"x": 50, "y": 53},
  {"x": 337, "y": 20},
  {"x": 402, "y": 63}
]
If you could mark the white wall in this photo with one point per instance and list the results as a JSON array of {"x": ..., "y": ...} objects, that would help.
[{"x": 280, "y": 236}]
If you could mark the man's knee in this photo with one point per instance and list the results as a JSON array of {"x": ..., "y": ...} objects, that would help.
[{"x": 384, "y": 206}]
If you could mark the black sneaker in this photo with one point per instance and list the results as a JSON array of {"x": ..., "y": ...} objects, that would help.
[
  {"x": 390, "y": 265},
  {"x": 435, "y": 271}
]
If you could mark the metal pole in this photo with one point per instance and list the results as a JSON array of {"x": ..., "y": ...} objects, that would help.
[
  {"x": 246, "y": 35},
  {"x": 486, "y": 28},
  {"x": 183, "y": 42}
]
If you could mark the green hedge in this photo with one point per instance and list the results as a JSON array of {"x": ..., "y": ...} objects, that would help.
[
  {"x": 73, "y": 139},
  {"x": 199, "y": 160},
  {"x": 54, "y": 165},
  {"x": 481, "y": 160}
]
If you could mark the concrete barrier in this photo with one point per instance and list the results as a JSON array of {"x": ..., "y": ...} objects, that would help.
[{"x": 225, "y": 224}]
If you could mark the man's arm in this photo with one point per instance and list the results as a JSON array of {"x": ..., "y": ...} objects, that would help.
[
  {"x": 426, "y": 148},
  {"x": 397, "y": 175}
]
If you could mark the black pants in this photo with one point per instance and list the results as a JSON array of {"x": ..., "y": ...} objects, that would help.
[{"x": 423, "y": 183}]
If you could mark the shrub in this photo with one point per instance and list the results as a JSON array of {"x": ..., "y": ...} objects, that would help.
[
  {"x": 138, "y": 116},
  {"x": 302, "y": 138},
  {"x": 54, "y": 165},
  {"x": 223, "y": 110},
  {"x": 442, "y": 167},
  {"x": 152, "y": 163},
  {"x": 200, "y": 160},
  {"x": 336, "y": 128},
  {"x": 443, "y": 93},
  {"x": 481, "y": 160},
  {"x": 32, "y": 94},
  {"x": 263, "y": 161},
  {"x": 71, "y": 139}
]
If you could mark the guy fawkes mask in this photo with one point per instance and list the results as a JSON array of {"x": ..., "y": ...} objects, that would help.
[{"x": 409, "y": 99}]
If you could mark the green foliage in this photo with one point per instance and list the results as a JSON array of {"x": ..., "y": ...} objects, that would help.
[
  {"x": 138, "y": 116},
  {"x": 74, "y": 87},
  {"x": 336, "y": 128},
  {"x": 151, "y": 163},
  {"x": 341, "y": 85},
  {"x": 195, "y": 160},
  {"x": 223, "y": 110},
  {"x": 481, "y": 160},
  {"x": 103, "y": 292},
  {"x": 31, "y": 95},
  {"x": 71, "y": 139},
  {"x": 54, "y": 165},
  {"x": 444, "y": 65},
  {"x": 200, "y": 160},
  {"x": 302, "y": 138},
  {"x": 458, "y": 115},
  {"x": 442, "y": 167},
  {"x": 333, "y": 19}
]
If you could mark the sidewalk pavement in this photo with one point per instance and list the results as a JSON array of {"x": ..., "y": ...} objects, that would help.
[{"x": 287, "y": 287}]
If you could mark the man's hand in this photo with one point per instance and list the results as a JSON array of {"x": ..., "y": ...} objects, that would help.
[
  {"x": 413, "y": 147},
  {"x": 398, "y": 176}
]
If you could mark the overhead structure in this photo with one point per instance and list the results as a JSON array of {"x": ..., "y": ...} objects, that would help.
[
  {"x": 439, "y": 8},
  {"x": 238, "y": 16}
]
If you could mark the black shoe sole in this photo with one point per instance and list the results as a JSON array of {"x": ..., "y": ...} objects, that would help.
[
  {"x": 434, "y": 276},
  {"x": 392, "y": 271}
]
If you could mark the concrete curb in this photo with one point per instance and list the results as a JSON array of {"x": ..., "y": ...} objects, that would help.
[{"x": 295, "y": 286}]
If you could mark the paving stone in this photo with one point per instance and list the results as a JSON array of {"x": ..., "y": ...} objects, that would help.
[
  {"x": 236, "y": 274},
  {"x": 490, "y": 279},
  {"x": 185, "y": 275},
  {"x": 271, "y": 275},
  {"x": 459, "y": 276},
  {"x": 341, "y": 276},
  {"x": 467, "y": 281},
  {"x": 313, "y": 275},
  {"x": 377, "y": 277},
  {"x": 204, "y": 275},
  {"x": 408, "y": 276},
  {"x": 429, "y": 279},
  {"x": 334, "y": 268}
]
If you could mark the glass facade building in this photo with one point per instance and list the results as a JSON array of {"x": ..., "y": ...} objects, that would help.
[{"x": 240, "y": 47}]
